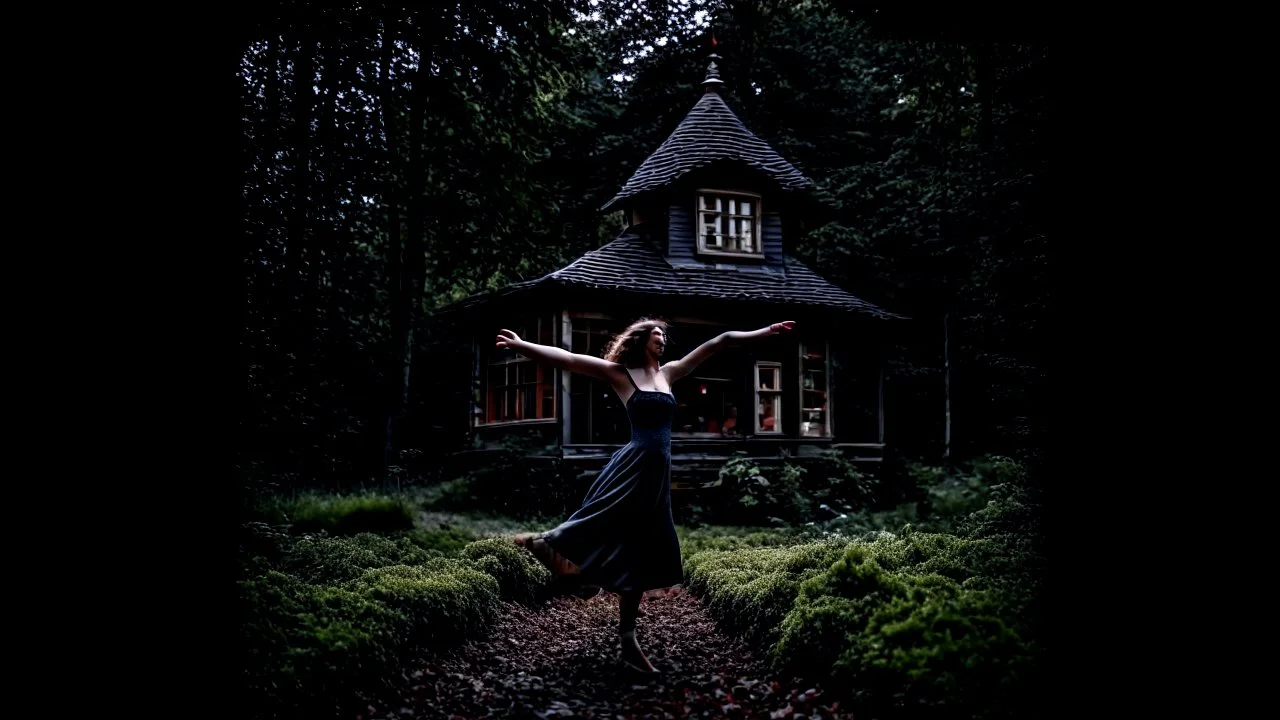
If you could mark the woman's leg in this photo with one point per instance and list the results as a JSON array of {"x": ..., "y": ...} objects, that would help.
[{"x": 628, "y": 607}]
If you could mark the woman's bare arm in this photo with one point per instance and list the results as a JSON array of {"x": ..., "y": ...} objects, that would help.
[
  {"x": 560, "y": 358},
  {"x": 677, "y": 369}
]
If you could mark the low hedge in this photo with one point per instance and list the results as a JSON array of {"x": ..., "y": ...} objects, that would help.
[
  {"x": 912, "y": 624},
  {"x": 329, "y": 621},
  {"x": 446, "y": 600},
  {"x": 750, "y": 591},
  {"x": 299, "y": 638},
  {"x": 325, "y": 559},
  {"x": 520, "y": 578}
]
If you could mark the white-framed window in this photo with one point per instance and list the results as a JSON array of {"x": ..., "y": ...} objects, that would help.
[
  {"x": 768, "y": 398},
  {"x": 516, "y": 389},
  {"x": 815, "y": 409},
  {"x": 728, "y": 223}
]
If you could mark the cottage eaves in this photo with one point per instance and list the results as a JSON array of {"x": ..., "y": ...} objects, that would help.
[{"x": 633, "y": 263}]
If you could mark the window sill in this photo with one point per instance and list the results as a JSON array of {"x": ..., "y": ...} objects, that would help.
[{"x": 721, "y": 254}]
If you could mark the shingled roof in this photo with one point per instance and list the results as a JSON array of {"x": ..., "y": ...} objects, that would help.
[
  {"x": 710, "y": 132},
  {"x": 634, "y": 263}
]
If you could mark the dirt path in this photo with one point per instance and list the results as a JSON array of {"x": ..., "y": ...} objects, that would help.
[{"x": 562, "y": 661}]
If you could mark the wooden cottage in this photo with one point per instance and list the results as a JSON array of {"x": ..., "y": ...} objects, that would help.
[{"x": 709, "y": 217}]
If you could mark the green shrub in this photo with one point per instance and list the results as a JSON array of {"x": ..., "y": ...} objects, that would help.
[
  {"x": 750, "y": 591},
  {"x": 521, "y": 578},
  {"x": 915, "y": 624},
  {"x": 952, "y": 494},
  {"x": 910, "y": 639},
  {"x": 447, "y": 600},
  {"x": 951, "y": 653},
  {"x": 299, "y": 638},
  {"x": 321, "y": 559},
  {"x": 942, "y": 498},
  {"x": 799, "y": 490}
]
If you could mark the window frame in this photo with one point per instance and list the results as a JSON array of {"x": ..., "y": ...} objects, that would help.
[
  {"x": 778, "y": 394},
  {"x": 756, "y": 222},
  {"x": 801, "y": 405},
  {"x": 544, "y": 380}
]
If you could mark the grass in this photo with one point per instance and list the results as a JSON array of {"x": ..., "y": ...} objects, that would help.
[{"x": 347, "y": 514}]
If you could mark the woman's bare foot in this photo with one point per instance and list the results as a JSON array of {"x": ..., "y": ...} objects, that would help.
[
  {"x": 558, "y": 564},
  {"x": 634, "y": 657}
]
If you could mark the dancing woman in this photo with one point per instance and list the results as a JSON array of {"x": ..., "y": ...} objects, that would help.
[{"x": 623, "y": 538}]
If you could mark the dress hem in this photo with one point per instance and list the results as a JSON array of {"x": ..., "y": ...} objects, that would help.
[{"x": 590, "y": 578}]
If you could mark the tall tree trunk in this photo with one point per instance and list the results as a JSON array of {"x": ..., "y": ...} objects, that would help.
[
  {"x": 946, "y": 387},
  {"x": 395, "y": 234},
  {"x": 297, "y": 256},
  {"x": 335, "y": 71},
  {"x": 406, "y": 300}
]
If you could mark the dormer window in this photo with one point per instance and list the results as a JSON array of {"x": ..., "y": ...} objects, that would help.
[{"x": 729, "y": 223}]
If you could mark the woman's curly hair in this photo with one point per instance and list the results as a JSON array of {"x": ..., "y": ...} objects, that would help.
[{"x": 627, "y": 347}]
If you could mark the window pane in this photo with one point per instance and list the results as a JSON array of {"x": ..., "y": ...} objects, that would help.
[
  {"x": 529, "y": 402},
  {"x": 769, "y": 378},
  {"x": 745, "y": 207},
  {"x": 768, "y": 412},
  {"x": 527, "y": 373}
]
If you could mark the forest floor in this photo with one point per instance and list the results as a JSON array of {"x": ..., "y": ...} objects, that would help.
[{"x": 561, "y": 660}]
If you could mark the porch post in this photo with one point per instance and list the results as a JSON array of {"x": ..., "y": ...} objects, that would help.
[{"x": 566, "y": 342}]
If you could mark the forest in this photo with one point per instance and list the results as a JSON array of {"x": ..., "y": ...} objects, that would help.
[{"x": 398, "y": 158}]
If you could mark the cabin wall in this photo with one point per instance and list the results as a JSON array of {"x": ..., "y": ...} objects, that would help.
[
  {"x": 682, "y": 243},
  {"x": 771, "y": 232}
]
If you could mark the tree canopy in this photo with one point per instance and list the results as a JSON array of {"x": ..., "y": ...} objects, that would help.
[{"x": 396, "y": 159}]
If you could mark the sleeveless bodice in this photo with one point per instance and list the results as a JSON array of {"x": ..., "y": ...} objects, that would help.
[{"x": 651, "y": 413}]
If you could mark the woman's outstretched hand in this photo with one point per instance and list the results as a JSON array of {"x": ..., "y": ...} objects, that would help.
[
  {"x": 508, "y": 339},
  {"x": 783, "y": 326}
]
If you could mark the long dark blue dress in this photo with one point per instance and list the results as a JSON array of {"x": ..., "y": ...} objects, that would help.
[{"x": 623, "y": 538}]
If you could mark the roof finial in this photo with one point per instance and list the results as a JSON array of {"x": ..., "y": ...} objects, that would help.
[{"x": 713, "y": 71}]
